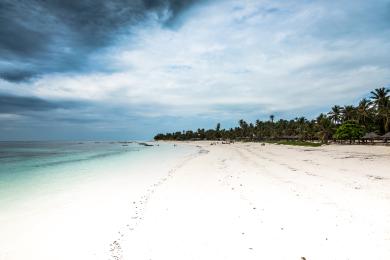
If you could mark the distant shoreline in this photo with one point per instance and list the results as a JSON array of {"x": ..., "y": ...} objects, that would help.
[{"x": 292, "y": 143}]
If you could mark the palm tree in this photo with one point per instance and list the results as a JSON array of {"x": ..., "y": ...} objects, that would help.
[
  {"x": 373, "y": 114},
  {"x": 302, "y": 125},
  {"x": 335, "y": 114},
  {"x": 243, "y": 124},
  {"x": 349, "y": 113},
  {"x": 364, "y": 111},
  {"x": 244, "y": 127},
  {"x": 218, "y": 127},
  {"x": 217, "y": 131},
  {"x": 381, "y": 101},
  {"x": 325, "y": 128},
  {"x": 380, "y": 97}
]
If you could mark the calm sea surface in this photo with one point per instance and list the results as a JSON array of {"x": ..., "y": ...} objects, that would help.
[
  {"x": 18, "y": 157},
  {"x": 30, "y": 168}
]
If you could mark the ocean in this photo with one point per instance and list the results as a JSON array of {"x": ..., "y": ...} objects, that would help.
[
  {"x": 29, "y": 169},
  {"x": 56, "y": 195}
]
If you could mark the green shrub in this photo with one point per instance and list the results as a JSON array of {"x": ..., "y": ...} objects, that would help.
[{"x": 349, "y": 131}]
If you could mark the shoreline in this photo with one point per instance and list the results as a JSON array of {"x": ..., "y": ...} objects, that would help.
[
  {"x": 236, "y": 201},
  {"x": 78, "y": 216}
]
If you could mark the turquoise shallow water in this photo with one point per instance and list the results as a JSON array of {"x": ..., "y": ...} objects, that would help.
[
  {"x": 16, "y": 157},
  {"x": 28, "y": 169},
  {"x": 68, "y": 200}
]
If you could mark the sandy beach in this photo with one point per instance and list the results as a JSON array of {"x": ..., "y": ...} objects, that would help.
[
  {"x": 224, "y": 201},
  {"x": 247, "y": 201},
  {"x": 133, "y": 130}
]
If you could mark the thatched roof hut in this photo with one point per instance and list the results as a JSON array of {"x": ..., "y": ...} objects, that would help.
[
  {"x": 371, "y": 136},
  {"x": 386, "y": 136}
]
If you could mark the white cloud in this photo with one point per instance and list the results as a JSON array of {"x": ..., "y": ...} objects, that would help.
[
  {"x": 273, "y": 55},
  {"x": 7, "y": 116}
]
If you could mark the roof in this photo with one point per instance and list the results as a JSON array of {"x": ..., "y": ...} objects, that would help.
[
  {"x": 371, "y": 135},
  {"x": 387, "y": 135}
]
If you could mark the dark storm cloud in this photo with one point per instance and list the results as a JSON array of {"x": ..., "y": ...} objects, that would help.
[
  {"x": 16, "y": 75},
  {"x": 20, "y": 104},
  {"x": 43, "y": 36}
]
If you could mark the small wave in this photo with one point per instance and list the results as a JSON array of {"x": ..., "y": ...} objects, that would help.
[{"x": 92, "y": 157}]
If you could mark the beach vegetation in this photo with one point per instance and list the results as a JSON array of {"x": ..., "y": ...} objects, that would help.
[
  {"x": 368, "y": 120},
  {"x": 349, "y": 131}
]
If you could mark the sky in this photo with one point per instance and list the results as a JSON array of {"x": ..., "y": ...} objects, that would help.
[{"x": 129, "y": 69}]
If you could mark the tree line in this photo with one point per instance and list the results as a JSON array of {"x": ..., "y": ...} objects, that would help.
[{"x": 371, "y": 115}]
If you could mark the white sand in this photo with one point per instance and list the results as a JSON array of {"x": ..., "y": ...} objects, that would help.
[
  {"x": 239, "y": 201},
  {"x": 246, "y": 201}
]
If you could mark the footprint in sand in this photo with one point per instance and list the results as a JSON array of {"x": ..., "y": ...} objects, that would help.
[
  {"x": 116, "y": 250},
  {"x": 115, "y": 247},
  {"x": 373, "y": 177}
]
